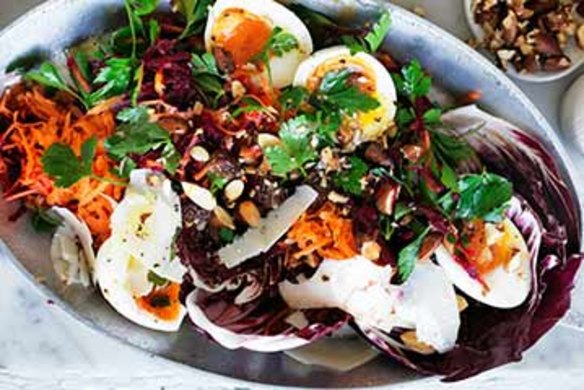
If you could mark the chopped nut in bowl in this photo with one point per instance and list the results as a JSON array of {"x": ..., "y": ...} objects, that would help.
[{"x": 533, "y": 40}]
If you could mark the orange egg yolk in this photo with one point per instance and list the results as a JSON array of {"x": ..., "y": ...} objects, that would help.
[
  {"x": 486, "y": 258},
  {"x": 241, "y": 34},
  {"x": 162, "y": 302}
]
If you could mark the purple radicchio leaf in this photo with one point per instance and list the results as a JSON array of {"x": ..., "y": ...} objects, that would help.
[
  {"x": 547, "y": 216},
  {"x": 241, "y": 307}
]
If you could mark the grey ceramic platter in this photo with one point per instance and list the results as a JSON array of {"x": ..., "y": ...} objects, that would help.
[{"x": 455, "y": 68}]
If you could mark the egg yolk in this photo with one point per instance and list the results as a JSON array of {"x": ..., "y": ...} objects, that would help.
[
  {"x": 162, "y": 302},
  {"x": 241, "y": 34},
  {"x": 487, "y": 256}
]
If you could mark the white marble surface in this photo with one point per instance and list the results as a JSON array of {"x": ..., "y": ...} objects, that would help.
[{"x": 43, "y": 348}]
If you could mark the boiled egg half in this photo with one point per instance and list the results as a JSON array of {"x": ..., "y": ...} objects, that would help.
[
  {"x": 494, "y": 267},
  {"x": 367, "y": 74},
  {"x": 135, "y": 268},
  {"x": 242, "y": 29}
]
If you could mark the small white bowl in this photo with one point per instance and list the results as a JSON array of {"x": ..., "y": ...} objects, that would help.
[
  {"x": 572, "y": 51},
  {"x": 572, "y": 115}
]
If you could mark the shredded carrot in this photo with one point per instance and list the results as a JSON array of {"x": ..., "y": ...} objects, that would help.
[
  {"x": 324, "y": 232},
  {"x": 36, "y": 123}
]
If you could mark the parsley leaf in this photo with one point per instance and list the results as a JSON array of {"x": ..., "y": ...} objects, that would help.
[
  {"x": 250, "y": 104},
  {"x": 412, "y": 82},
  {"x": 433, "y": 116},
  {"x": 408, "y": 257},
  {"x": 377, "y": 35},
  {"x": 143, "y": 7},
  {"x": 485, "y": 196},
  {"x": 207, "y": 75},
  {"x": 195, "y": 12},
  {"x": 295, "y": 149},
  {"x": 137, "y": 135},
  {"x": 374, "y": 38},
  {"x": 351, "y": 181},
  {"x": 62, "y": 165},
  {"x": 49, "y": 76},
  {"x": 116, "y": 77},
  {"x": 280, "y": 43},
  {"x": 450, "y": 148},
  {"x": 135, "y": 10},
  {"x": 217, "y": 182},
  {"x": 293, "y": 98},
  {"x": 336, "y": 92}
]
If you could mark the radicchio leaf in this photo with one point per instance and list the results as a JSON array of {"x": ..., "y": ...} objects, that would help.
[
  {"x": 547, "y": 217},
  {"x": 241, "y": 307}
]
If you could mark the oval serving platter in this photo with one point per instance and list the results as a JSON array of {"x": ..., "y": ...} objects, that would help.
[{"x": 454, "y": 66}]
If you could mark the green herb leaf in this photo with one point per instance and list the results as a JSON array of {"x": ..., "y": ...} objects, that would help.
[
  {"x": 387, "y": 227},
  {"x": 408, "y": 257},
  {"x": 336, "y": 92},
  {"x": 329, "y": 124},
  {"x": 143, "y": 7},
  {"x": 433, "y": 116},
  {"x": 249, "y": 104},
  {"x": 377, "y": 35},
  {"x": 295, "y": 150},
  {"x": 207, "y": 76},
  {"x": 217, "y": 182},
  {"x": 351, "y": 181},
  {"x": 48, "y": 75},
  {"x": 413, "y": 82},
  {"x": 153, "y": 30},
  {"x": 450, "y": 148},
  {"x": 205, "y": 63},
  {"x": 137, "y": 135},
  {"x": 448, "y": 177},
  {"x": 485, "y": 196},
  {"x": 62, "y": 165},
  {"x": 157, "y": 280},
  {"x": 404, "y": 117},
  {"x": 293, "y": 98},
  {"x": 195, "y": 12},
  {"x": 116, "y": 78},
  {"x": 281, "y": 42}
]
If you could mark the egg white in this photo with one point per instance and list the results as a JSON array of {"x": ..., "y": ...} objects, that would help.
[
  {"x": 507, "y": 286},
  {"x": 373, "y": 124},
  {"x": 282, "y": 68}
]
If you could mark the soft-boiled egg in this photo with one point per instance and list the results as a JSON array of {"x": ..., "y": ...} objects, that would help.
[
  {"x": 426, "y": 303},
  {"x": 242, "y": 29},
  {"x": 136, "y": 269},
  {"x": 370, "y": 76},
  {"x": 494, "y": 267}
]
